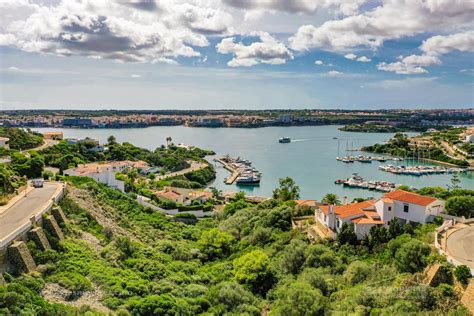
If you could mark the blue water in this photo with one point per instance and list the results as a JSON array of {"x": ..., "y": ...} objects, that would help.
[{"x": 309, "y": 159}]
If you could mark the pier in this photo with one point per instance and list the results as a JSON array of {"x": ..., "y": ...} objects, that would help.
[{"x": 242, "y": 171}]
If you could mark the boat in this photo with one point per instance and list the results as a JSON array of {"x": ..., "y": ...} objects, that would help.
[
  {"x": 248, "y": 180},
  {"x": 284, "y": 140}
]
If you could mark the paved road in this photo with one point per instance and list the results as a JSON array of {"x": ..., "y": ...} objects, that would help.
[
  {"x": 24, "y": 209},
  {"x": 460, "y": 246}
]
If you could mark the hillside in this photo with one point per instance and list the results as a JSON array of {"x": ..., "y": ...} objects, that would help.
[{"x": 249, "y": 261}]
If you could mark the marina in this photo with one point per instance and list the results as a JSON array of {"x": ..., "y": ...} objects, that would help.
[
  {"x": 310, "y": 161},
  {"x": 366, "y": 159},
  {"x": 242, "y": 172},
  {"x": 419, "y": 170},
  {"x": 356, "y": 181}
]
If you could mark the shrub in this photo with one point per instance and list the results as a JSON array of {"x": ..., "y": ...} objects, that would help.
[{"x": 462, "y": 273}]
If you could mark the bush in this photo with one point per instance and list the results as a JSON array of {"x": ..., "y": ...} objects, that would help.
[
  {"x": 462, "y": 273},
  {"x": 357, "y": 272},
  {"x": 411, "y": 256}
]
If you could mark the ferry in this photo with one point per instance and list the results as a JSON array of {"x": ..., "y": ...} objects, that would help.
[{"x": 284, "y": 140}]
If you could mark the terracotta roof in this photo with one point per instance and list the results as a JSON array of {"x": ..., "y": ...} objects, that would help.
[
  {"x": 367, "y": 220},
  {"x": 170, "y": 195},
  {"x": 387, "y": 200},
  {"x": 409, "y": 197},
  {"x": 344, "y": 211}
]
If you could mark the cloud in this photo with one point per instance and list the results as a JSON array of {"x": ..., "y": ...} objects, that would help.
[
  {"x": 135, "y": 76},
  {"x": 433, "y": 48},
  {"x": 364, "y": 59},
  {"x": 402, "y": 83},
  {"x": 14, "y": 69},
  {"x": 319, "y": 62},
  {"x": 267, "y": 51},
  {"x": 136, "y": 31},
  {"x": 334, "y": 73},
  {"x": 392, "y": 19},
  {"x": 345, "y": 7},
  {"x": 350, "y": 56}
]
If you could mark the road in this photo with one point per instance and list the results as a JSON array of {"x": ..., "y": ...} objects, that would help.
[
  {"x": 195, "y": 165},
  {"x": 47, "y": 143},
  {"x": 21, "y": 212},
  {"x": 460, "y": 246}
]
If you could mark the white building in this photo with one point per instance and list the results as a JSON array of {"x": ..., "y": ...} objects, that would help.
[
  {"x": 105, "y": 172},
  {"x": 402, "y": 205},
  {"x": 470, "y": 138},
  {"x": 4, "y": 142}
]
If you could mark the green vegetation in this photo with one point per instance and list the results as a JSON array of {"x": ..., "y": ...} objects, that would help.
[
  {"x": 247, "y": 261},
  {"x": 459, "y": 202},
  {"x": 399, "y": 145},
  {"x": 21, "y": 139},
  {"x": 174, "y": 158}
]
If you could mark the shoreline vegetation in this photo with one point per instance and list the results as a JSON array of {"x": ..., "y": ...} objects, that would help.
[{"x": 423, "y": 147}]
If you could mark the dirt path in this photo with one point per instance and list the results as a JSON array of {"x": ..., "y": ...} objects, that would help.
[
  {"x": 57, "y": 294},
  {"x": 47, "y": 143}
]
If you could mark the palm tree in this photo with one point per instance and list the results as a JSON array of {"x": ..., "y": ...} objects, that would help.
[
  {"x": 168, "y": 141},
  {"x": 331, "y": 199}
]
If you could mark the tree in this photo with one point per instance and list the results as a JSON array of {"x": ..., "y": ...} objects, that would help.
[
  {"x": 411, "y": 256},
  {"x": 226, "y": 297},
  {"x": 357, "y": 272},
  {"x": 331, "y": 199},
  {"x": 253, "y": 269},
  {"x": 168, "y": 141},
  {"x": 462, "y": 273},
  {"x": 347, "y": 235},
  {"x": 455, "y": 181},
  {"x": 293, "y": 257},
  {"x": 216, "y": 193},
  {"x": 288, "y": 190},
  {"x": 298, "y": 298},
  {"x": 111, "y": 140},
  {"x": 215, "y": 243},
  {"x": 460, "y": 206}
]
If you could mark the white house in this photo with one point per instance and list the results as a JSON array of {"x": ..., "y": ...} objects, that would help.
[
  {"x": 402, "y": 205},
  {"x": 470, "y": 138},
  {"x": 4, "y": 142}
]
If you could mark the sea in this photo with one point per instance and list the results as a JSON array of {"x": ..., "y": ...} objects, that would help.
[{"x": 310, "y": 158}]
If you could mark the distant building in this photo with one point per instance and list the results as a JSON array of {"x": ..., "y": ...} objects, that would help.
[
  {"x": 401, "y": 205},
  {"x": 4, "y": 142},
  {"x": 53, "y": 135},
  {"x": 286, "y": 118},
  {"x": 184, "y": 196},
  {"x": 77, "y": 122}
]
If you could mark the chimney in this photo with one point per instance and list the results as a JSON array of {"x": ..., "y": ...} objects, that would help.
[{"x": 344, "y": 200}]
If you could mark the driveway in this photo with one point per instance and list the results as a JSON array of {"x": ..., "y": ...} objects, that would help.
[
  {"x": 460, "y": 246},
  {"x": 21, "y": 212}
]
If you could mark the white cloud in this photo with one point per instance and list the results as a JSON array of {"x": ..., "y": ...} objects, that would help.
[
  {"x": 267, "y": 51},
  {"x": 13, "y": 69},
  {"x": 135, "y": 76},
  {"x": 345, "y": 7},
  {"x": 402, "y": 83},
  {"x": 440, "y": 45},
  {"x": 392, "y": 19},
  {"x": 334, "y": 73},
  {"x": 142, "y": 31},
  {"x": 364, "y": 59},
  {"x": 433, "y": 47},
  {"x": 350, "y": 56},
  {"x": 319, "y": 62}
]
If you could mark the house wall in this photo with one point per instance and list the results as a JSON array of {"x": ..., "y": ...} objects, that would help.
[
  {"x": 362, "y": 230},
  {"x": 385, "y": 210},
  {"x": 416, "y": 213}
]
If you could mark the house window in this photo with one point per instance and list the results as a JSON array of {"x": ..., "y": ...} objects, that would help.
[
  {"x": 389, "y": 208},
  {"x": 338, "y": 223},
  {"x": 405, "y": 208},
  {"x": 325, "y": 217}
]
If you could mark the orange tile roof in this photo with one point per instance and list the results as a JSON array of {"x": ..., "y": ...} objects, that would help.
[
  {"x": 344, "y": 211},
  {"x": 387, "y": 200},
  {"x": 409, "y": 197}
]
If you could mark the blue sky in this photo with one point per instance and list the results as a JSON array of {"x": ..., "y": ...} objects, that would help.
[{"x": 217, "y": 55}]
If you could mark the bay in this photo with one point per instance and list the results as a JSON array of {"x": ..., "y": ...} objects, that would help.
[{"x": 309, "y": 159}]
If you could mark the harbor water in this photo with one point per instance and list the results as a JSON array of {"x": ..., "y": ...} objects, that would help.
[{"x": 309, "y": 158}]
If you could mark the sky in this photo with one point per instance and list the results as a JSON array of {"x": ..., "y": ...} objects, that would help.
[{"x": 236, "y": 54}]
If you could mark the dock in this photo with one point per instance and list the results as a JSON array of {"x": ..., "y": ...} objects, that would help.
[
  {"x": 241, "y": 170},
  {"x": 235, "y": 174}
]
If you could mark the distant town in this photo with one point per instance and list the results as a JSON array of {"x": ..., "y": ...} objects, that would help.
[{"x": 360, "y": 120}]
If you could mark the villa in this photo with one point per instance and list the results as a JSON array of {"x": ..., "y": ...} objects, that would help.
[
  {"x": 184, "y": 196},
  {"x": 105, "y": 172},
  {"x": 401, "y": 205}
]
